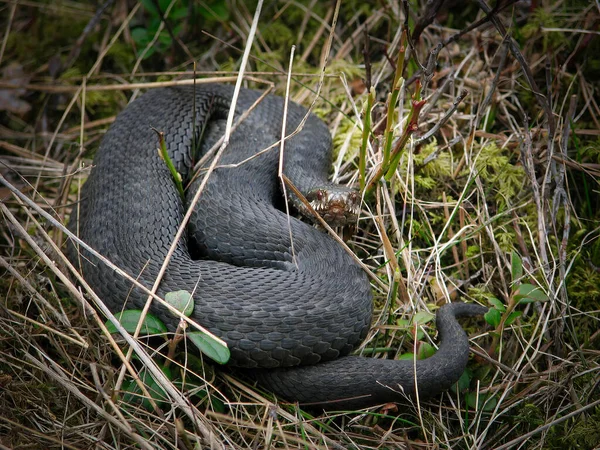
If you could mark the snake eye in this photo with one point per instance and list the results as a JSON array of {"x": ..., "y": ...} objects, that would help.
[{"x": 320, "y": 195}]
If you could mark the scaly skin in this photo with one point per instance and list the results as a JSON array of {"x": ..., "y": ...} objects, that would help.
[{"x": 275, "y": 311}]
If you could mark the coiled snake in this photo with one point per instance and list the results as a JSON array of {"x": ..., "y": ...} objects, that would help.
[{"x": 292, "y": 319}]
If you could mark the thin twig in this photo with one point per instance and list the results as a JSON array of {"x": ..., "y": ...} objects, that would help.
[
  {"x": 281, "y": 152},
  {"x": 444, "y": 119}
]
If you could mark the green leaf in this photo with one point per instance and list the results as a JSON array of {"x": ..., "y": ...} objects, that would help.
[
  {"x": 485, "y": 402},
  {"x": 423, "y": 317},
  {"x": 149, "y": 6},
  {"x": 490, "y": 402},
  {"x": 218, "y": 11},
  {"x": 516, "y": 265},
  {"x": 177, "y": 30},
  {"x": 465, "y": 380},
  {"x": 409, "y": 326},
  {"x": 196, "y": 366},
  {"x": 471, "y": 398},
  {"x": 164, "y": 4},
  {"x": 148, "y": 53},
  {"x": 528, "y": 293},
  {"x": 404, "y": 323},
  {"x": 133, "y": 393},
  {"x": 217, "y": 404},
  {"x": 154, "y": 26},
  {"x": 512, "y": 317},
  {"x": 129, "y": 320},
  {"x": 182, "y": 301},
  {"x": 406, "y": 357},
  {"x": 497, "y": 304},
  {"x": 425, "y": 351},
  {"x": 140, "y": 36},
  {"x": 176, "y": 14},
  {"x": 165, "y": 38},
  {"x": 493, "y": 317},
  {"x": 210, "y": 347}
]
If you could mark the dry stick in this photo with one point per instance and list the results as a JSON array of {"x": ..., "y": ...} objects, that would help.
[
  {"x": 500, "y": 5},
  {"x": 444, "y": 119},
  {"x": 451, "y": 232},
  {"x": 287, "y": 181},
  {"x": 352, "y": 40},
  {"x": 483, "y": 106},
  {"x": 298, "y": 438},
  {"x": 181, "y": 73},
  {"x": 432, "y": 7},
  {"x": 327, "y": 53},
  {"x": 367, "y": 59},
  {"x": 311, "y": 45},
  {"x": 403, "y": 244},
  {"x": 281, "y": 148},
  {"x": 58, "y": 375},
  {"x": 429, "y": 69},
  {"x": 81, "y": 88},
  {"x": 303, "y": 24},
  {"x": 103, "y": 393},
  {"x": 20, "y": 151},
  {"x": 51, "y": 330},
  {"x": 396, "y": 278},
  {"x": 113, "y": 87}
]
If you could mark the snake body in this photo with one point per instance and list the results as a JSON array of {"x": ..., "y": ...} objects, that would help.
[{"x": 290, "y": 316}]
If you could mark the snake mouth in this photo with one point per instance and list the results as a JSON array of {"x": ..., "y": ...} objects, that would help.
[{"x": 337, "y": 205}]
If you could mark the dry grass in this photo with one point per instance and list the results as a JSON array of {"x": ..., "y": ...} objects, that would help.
[{"x": 513, "y": 169}]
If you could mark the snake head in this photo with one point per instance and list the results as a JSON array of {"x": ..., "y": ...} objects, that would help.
[{"x": 337, "y": 205}]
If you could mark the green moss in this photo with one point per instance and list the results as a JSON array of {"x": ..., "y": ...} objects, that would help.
[
  {"x": 278, "y": 35},
  {"x": 439, "y": 167},
  {"x": 122, "y": 56},
  {"x": 493, "y": 165},
  {"x": 581, "y": 432},
  {"x": 347, "y": 130},
  {"x": 542, "y": 18}
]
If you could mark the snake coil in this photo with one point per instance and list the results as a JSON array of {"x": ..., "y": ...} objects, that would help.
[{"x": 291, "y": 319}]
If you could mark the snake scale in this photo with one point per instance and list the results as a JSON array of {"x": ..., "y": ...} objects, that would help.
[{"x": 290, "y": 318}]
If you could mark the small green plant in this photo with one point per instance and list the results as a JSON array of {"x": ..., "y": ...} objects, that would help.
[
  {"x": 151, "y": 325},
  {"x": 164, "y": 155},
  {"x": 154, "y": 37},
  {"x": 391, "y": 152},
  {"x": 500, "y": 315}
]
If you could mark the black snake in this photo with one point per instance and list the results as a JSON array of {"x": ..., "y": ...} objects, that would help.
[{"x": 292, "y": 319}]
